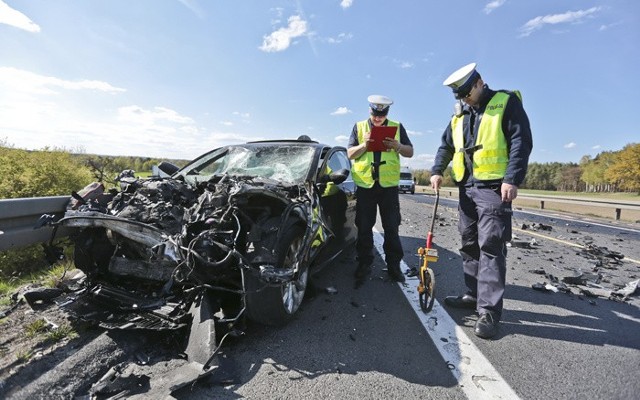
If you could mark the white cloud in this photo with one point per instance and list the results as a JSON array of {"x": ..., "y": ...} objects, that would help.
[
  {"x": 194, "y": 7},
  {"x": 136, "y": 115},
  {"x": 596, "y": 147},
  {"x": 340, "y": 38},
  {"x": 28, "y": 81},
  {"x": 16, "y": 19},
  {"x": 242, "y": 115},
  {"x": 492, "y": 5},
  {"x": 341, "y": 139},
  {"x": 607, "y": 26},
  {"x": 570, "y": 17},
  {"x": 280, "y": 40},
  {"x": 341, "y": 111},
  {"x": 33, "y": 116},
  {"x": 570, "y": 145},
  {"x": 226, "y": 123},
  {"x": 346, "y": 3},
  {"x": 404, "y": 64},
  {"x": 414, "y": 133}
]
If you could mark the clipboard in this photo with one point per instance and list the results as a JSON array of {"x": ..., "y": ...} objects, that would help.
[{"x": 378, "y": 134}]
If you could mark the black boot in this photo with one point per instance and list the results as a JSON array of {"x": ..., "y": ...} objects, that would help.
[
  {"x": 394, "y": 272},
  {"x": 487, "y": 325},
  {"x": 363, "y": 270},
  {"x": 464, "y": 301}
]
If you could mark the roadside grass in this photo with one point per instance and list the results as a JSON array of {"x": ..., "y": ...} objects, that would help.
[
  {"x": 50, "y": 277},
  {"x": 25, "y": 355},
  {"x": 54, "y": 276},
  {"x": 6, "y": 288},
  {"x": 41, "y": 327},
  {"x": 36, "y": 327},
  {"x": 64, "y": 331}
]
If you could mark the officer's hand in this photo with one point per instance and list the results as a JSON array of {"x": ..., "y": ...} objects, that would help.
[
  {"x": 509, "y": 192},
  {"x": 366, "y": 138},
  {"x": 436, "y": 181},
  {"x": 390, "y": 143}
]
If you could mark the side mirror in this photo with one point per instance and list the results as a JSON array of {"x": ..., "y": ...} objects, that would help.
[
  {"x": 336, "y": 177},
  {"x": 339, "y": 176}
]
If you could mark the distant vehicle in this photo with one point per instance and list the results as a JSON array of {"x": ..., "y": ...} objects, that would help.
[{"x": 406, "y": 184}]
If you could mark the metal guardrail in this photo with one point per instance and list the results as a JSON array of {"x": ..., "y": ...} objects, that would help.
[
  {"x": 18, "y": 217},
  {"x": 610, "y": 208}
]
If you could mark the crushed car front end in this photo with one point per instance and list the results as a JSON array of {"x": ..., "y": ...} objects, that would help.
[{"x": 239, "y": 225}]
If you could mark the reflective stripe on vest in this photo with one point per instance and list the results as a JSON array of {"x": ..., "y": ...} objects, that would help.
[
  {"x": 489, "y": 162},
  {"x": 388, "y": 173}
]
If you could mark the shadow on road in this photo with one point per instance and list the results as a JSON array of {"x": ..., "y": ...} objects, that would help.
[{"x": 344, "y": 337}]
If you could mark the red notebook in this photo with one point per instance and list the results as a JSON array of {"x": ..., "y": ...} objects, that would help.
[{"x": 378, "y": 134}]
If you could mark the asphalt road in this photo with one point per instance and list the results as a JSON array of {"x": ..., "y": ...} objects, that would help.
[{"x": 370, "y": 343}]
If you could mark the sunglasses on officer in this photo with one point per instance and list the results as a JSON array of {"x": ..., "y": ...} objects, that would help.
[{"x": 464, "y": 92}]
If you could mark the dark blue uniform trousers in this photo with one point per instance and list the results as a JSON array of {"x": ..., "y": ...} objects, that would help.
[
  {"x": 485, "y": 227},
  {"x": 367, "y": 203}
]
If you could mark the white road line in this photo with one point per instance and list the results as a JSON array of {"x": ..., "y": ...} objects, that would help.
[{"x": 475, "y": 374}]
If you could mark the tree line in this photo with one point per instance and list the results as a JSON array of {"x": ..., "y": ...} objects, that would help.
[
  {"x": 58, "y": 172},
  {"x": 53, "y": 172},
  {"x": 609, "y": 171}
]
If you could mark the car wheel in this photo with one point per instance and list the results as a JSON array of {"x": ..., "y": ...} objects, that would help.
[{"x": 276, "y": 305}]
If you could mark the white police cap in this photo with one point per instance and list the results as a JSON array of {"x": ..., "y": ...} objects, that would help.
[
  {"x": 461, "y": 76},
  {"x": 462, "y": 80},
  {"x": 379, "y": 104}
]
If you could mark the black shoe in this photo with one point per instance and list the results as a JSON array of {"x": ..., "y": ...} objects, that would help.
[
  {"x": 464, "y": 301},
  {"x": 486, "y": 326},
  {"x": 394, "y": 272},
  {"x": 363, "y": 271}
]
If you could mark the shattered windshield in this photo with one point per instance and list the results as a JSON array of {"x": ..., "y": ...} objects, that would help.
[{"x": 283, "y": 163}]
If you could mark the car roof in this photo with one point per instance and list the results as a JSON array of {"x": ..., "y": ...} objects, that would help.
[
  {"x": 285, "y": 141},
  {"x": 310, "y": 143}
]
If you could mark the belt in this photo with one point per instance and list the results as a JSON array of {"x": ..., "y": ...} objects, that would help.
[{"x": 483, "y": 185}]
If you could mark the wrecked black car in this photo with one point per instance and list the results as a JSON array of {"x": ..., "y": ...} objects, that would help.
[{"x": 239, "y": 230}]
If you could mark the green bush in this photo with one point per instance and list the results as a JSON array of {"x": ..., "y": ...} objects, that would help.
[
  {"x": 17, "y": 264},
  {"x": 48, "y": 172}
]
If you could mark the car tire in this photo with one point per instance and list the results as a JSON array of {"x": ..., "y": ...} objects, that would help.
[{"x": 276, "y": 305}]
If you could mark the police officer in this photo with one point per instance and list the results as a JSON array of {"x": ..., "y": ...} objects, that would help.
[
  {"x": 488, "y": 141},
  {"x": 377, "y": 173}
]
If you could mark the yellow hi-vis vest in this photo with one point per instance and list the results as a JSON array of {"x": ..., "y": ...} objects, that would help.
[
  {"x": 388, "y": 173},
  {"x": 490, "y": 161}
]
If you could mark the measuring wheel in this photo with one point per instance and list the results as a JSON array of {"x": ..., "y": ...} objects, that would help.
[
  {"x": 427, "y": 285},
  {"x": 427, "y": 295}
]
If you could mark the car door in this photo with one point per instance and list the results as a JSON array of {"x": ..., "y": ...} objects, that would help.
[{"x": 337, "y": 202}]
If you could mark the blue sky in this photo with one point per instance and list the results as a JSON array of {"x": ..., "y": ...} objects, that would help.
[{"x": 176, "y": 78}]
